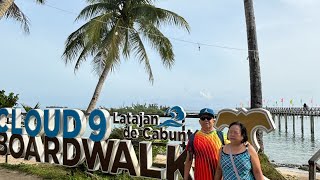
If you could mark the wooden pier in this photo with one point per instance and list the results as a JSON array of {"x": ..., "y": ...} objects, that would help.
[
  {"x": 294, "y": 111},
  {"x": 278, "y": 112}
]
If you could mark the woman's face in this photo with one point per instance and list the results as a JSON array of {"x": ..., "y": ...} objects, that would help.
[{"x": 234, "y": 134}]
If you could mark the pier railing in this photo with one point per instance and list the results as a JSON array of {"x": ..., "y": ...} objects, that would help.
[
  {"x": 313, "y": 111},
  {"x": 314, "y": 166}
]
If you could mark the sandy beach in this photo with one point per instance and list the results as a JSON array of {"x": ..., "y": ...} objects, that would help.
[
  {"x": 12, "y": 160},
  {"x": 294, "y": 173},
  {"x": 7, "y": 174}
]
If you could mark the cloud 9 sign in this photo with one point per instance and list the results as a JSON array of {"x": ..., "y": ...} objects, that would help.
[{"x": 63, "y": 143}]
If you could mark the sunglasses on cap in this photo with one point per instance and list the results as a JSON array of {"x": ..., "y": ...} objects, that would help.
[{"x": 206, "y": 118}]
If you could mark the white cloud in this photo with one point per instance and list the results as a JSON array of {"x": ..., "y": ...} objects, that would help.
[{"x": 206, "y": 94}]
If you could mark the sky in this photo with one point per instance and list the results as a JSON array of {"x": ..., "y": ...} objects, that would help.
[{"x": 203, "y": 74}]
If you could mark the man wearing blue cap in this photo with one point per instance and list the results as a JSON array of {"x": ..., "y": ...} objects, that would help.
[{"x": 204, "y": 147}]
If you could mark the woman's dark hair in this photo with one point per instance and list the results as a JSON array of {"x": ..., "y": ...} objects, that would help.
[{"x": 243, "y": 130}]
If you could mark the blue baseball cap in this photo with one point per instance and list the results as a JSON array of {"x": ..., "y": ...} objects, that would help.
[{"x": 207, "y": 111}]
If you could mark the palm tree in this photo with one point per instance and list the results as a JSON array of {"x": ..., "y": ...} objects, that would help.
[
  {"x": 117, "y": 28},
  {"x": 9, "y": 9},
  {"x": 254, "y": 64},
  {"x": 27, "y": 108}
]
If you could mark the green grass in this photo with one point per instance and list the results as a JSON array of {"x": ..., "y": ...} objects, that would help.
[
  {"x": 268, "y": 169},
  {"x": 48, "y": 171},
  {"x": 45, "y": 171}
]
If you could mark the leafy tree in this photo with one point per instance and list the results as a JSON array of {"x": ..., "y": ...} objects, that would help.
[
  {"x": 8, "y": 101},
  {"x": 10, "y": 10},
  {"x": 117, "y": 28},
  {"x": 136, "y": 108}
]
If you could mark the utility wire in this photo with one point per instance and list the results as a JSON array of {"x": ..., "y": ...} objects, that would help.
[{"x": 173, "y": 38}]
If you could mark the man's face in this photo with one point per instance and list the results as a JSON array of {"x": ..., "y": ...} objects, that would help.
[{"x": 206, "y": 121}]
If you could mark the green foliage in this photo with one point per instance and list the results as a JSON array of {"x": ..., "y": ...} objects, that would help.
[
  {"x": 15, "y": 13},
  {"x": 8, "y": 101},
  {"x": 28, "y": 108},
  {"x": 268, "y": 169},
  {"x": 119, "y": 27},
  {"x": 154, "y": 109}
]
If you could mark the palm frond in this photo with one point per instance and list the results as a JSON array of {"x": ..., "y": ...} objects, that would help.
[
  {"x": 74, "y": 44},
  {"x": 100, "y": 61},
  {"x": 37, "y": 106},
  {"x": 104, "y": 39},
  {"x": 140, "y": 2},
  {"x": 15, "y": 13},
  {"x": 172, "y": 18},
  {"x": 159, "y": 16},
  {"x": 98, "y": 64},
  {"x": 109, "y": 50},
  {"x": 141, "y": 54},
  {"x": 40, "y": 1},
  {"x": 96, "y": 9},
  {"x": 100, "y": 1},
  {"x": 28, "y": 108},
  {"x": 127, "y": 44},
  {"x": 85, "y": 40},
  {"x": 159, "y": 42},
  {"x": 112, "y": 42},
  {"x": 94, "y": 32}
]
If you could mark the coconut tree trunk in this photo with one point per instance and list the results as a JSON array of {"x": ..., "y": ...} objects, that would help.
[
  {"x": 4, "y": 6},
  {"x": 254, "y": 64},
  {"x": 98, "y": 89}
]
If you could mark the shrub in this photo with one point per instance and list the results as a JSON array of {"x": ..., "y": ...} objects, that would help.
[{"x": 8, "y": 101}]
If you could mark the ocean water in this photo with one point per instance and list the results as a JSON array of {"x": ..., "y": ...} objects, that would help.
[{"x": 291, "y": 146}]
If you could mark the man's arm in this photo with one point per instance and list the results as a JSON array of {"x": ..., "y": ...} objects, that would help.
[{"x": 187, "y": 165}]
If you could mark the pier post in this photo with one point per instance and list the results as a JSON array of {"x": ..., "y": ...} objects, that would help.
[
  {"x": 279, "y": 117},
  {"x": 312, "y": 124},
  {"x": 302, "y": 124},
  {"x": 286, "y": 122},
  {"x": 294, "y": 124}
]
